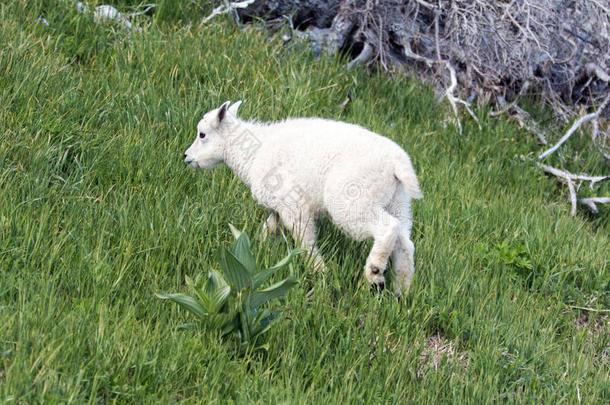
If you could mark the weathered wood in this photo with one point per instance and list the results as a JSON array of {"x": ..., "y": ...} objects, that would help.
[
  {"x": 560, "y": 50},
  {"x": 304, "y": 13}
]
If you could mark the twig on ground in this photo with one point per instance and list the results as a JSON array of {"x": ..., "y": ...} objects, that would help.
[
  {"x": 573, "y": 177},
  {"x": 523, "y": 116},
  {"x": 589, "y": 309},
  {"x": 227, "y": 8},
  {"x": 573, "y": 197},
  {"x": 137, "y": 13},
  {"x": 592, "y": 202},
  {"x": 517, "y": 47},
  {"x": 570, "y": 179},
  {"x": 575, "y": 126},
  {"x": 410, "y": 54},
  {"x": 287, "y": 38},
  {"x": 453, "y": 99},
  {"x": 345, "y": 102},
  {"x": 514, "y": 103},
  {"x": 450, "y": 96}
]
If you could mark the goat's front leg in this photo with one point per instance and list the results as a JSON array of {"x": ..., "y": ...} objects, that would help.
[
  {"x": 385, "y": 233},
  {"x": 304, "y": 231},
  {"x": 271, "y": 224}
]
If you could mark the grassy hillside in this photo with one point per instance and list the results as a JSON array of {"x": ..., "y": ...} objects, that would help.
[{"x": 98, "y": 212}]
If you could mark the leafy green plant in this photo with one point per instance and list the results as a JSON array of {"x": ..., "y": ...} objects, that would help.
[
  {"x": 231, "y": 301},
  {"x": 511, "y": 254},
  {"x": 514, "y": 254}
]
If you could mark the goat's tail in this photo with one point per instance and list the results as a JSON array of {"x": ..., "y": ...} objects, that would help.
[{"x": 404, "y": 172}]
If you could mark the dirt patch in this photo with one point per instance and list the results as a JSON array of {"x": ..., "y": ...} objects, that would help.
[
  {"x": 437, "y": 348},
  {"x": 597, "y": 328}
]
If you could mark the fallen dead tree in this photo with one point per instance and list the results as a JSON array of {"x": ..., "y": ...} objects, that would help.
[
  {"x": 553, "y": 52},
  {"x": 559, "y": 50}
]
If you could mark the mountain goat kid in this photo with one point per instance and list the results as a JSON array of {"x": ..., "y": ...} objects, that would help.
[{"x": 305, "y": 167}]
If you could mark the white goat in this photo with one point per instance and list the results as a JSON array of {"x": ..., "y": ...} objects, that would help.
[{"x": 305, "y": 167}]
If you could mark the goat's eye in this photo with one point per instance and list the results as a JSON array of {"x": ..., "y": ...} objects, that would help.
[{"x": 201, "y": 135}]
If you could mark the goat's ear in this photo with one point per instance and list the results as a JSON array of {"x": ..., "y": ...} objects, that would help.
[
  {"x": 222, "y": 111},
  {"x": 233, "y": 109}
]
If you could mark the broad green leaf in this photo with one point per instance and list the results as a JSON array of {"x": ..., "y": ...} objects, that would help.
[
  {"x": 287, "y": 259},
  {"x": 268, "y": 321},
  {"x": 271, "y": 317},
  {"x": 277, "y": 290},
  {"x": 260, "y": 277},
  {"x": 217, "y": 291},
  {"x": 218, "y": 321},
  {"x": 229, "y": 327},
  {"x": 186, "y": 302},
  {"x": 215, "y": 281},
  {"x": 232, "y": 324},
  {"x": 234, "y": 271},
  {"x": 256, "y": 322},
  {"x": 241, "y": 250},
  {"x": 203, "y": 298},
  {"x": 245, "y": 326}
]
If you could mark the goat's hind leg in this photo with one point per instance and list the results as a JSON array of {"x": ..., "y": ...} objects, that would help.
[
  {"x": 404, "y": 250},
  {"x": 403, "y": 260},
  {"x": 385, "y": 230}
]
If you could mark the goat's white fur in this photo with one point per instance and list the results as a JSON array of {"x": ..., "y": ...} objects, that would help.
[{"x": 305, "y": 167}]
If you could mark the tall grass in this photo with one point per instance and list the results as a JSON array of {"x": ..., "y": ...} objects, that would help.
[{"x": 98, "y": 212}]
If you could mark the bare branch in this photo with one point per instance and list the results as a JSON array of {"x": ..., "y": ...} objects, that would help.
[
  {"x": 574, "y": 127},
  {"x": 589, "y": 309},
  {"x": 410, "y": 54},
  {"x": 286, "y": 38},
  {"x": 573, "y": 177},
  {"x": 593, "y": 69},
  {"x": 572, "y": 197},
  {"x": 570, "y": 179},
  {"x": 227, "y": 8},
  {"x": 365, "y": 55},
  {"x": 592, "y": 202},
  {"x": 450, "y": 96},
  {"x": 524, "y": 88},
  {"x": 147, "y": 8},
  {"x": 453, "y": 99},
  {"x": 523, "y": 116},
  {"x": 425, "y": 4}
]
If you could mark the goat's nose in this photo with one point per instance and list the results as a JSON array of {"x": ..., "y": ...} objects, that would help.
[
  {"x": 185, "y": 155},
  {"x": 377, "y": 287}
]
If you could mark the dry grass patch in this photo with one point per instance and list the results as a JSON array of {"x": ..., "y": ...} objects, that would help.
[{"x": 437, "y": 348}]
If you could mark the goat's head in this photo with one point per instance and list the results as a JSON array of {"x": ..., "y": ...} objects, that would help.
[
  {"x": 375, "y": 276},
  {"x": 208, "y": 149}
]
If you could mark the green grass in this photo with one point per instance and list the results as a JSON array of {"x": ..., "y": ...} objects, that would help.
[{"x": 98, "y": 212}]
